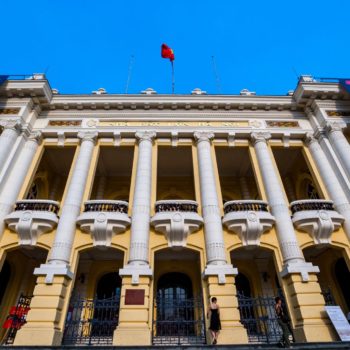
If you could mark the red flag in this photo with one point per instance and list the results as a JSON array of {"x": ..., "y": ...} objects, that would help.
[{"x": 167, "y": 52}]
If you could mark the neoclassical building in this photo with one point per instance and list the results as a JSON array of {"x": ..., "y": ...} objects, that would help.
[{"x": 121, "y": 215}]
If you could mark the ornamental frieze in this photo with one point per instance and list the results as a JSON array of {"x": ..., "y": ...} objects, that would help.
[
  {"x": 65, "y": 123},
  {"x": 338, "y": 113},
  {"x": 282, "y": 124},
  {"x": 9, "y": 110}
]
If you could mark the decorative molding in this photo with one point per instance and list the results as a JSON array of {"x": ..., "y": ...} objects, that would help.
[
  {"x": 7, "y": 111},
  {"x": 64, "y": 123},
  {"x": 338, "y": 113},
  {"x": 282, "y": 124},
  {"x": 14, "y": 124},
  {"x": 331, "y": 126}
]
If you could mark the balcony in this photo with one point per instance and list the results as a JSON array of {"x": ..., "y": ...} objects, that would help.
[
  {"x": 176, "y": 219},
  {"x": 316, "y": 217},
  {"x": 31, "y": 218},
  {"x": 249, "y": 219},
  {"x": 103, "y": 219}
]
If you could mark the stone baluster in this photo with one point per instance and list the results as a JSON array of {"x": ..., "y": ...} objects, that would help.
[
  {"x": 141, "y": 210},
  {"x": 214, "y": 240},
  {"x": 293, "y": 258},
  {"x": 330, "y": 180},
  {"x": 58, "y": 262},
  {"x": 17, "y": 176}
]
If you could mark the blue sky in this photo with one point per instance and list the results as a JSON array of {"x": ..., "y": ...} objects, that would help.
[{"x": 259, "y": 45}]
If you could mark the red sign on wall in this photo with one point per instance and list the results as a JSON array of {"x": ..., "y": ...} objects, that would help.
[{"x": 134, "y": 297}]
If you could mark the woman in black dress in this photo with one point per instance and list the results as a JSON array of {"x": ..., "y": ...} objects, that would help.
[{"x": 214, "y": 316}]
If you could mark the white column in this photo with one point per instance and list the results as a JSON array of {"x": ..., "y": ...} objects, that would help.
[
  {"x": 292, "y": 255},
  {"x": 18, "y": 174},
  {"x": 141, "y": 210},
  {"x": 244, "y": 188},
  {"x": 214, "y": 239},
  {"x": 58, "y": 262},
  {"x": 339, "y": 143},
  {"x": 330, "y": 180},
  {"x": 8, "y": 137}
]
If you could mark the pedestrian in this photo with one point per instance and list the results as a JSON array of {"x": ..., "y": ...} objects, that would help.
[
  {"x": 214, "y": 316},
  {"x": 282, "y": 320}
]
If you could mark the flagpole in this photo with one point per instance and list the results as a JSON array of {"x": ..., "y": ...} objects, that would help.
[{"x": 172, "y": 77}]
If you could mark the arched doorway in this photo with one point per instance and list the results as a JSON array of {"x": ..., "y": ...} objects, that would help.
[
  {"x": 257, "y": 287},
  {"x": 342, "y": 274},
  {"x": 178, "y": 306},
  {"x": 334, "y": 274},
  {"x": 93, "y": 312}
]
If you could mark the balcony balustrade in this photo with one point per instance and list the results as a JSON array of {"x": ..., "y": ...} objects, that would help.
[
  {"x": 249, "y": 219},
  {"x": 176, "y": 219},
  {"x": 316, "y": 217},
  {"x": 31, "y": 218},
  {"x": 103, "y": 219}
]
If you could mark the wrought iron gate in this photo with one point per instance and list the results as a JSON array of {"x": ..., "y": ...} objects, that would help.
[
  {"x": 91, "y": 321},
  {"x": 16, "y": 318},
  {"x": 259, "y": 318},
  {"x": 178, "y": 321}
]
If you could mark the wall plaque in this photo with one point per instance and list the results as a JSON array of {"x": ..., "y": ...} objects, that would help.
[{"x": 134, "y": 297}]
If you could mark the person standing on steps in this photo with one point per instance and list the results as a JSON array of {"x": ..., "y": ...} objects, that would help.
[
  {"x": 282, "y": 320},
  {"x": 214, "y": 317}
]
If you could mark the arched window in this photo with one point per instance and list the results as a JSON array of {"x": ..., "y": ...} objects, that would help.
[{"x": 33, "y": 191}]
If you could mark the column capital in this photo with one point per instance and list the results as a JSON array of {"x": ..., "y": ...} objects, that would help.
[
  {"x": 35, "y": 136},
  {"x": 88, "y": 136},
  {"x": 200, "y": 136},
  {"x": 14, "y": 124},
  {"x": 145, "y": 135},
  {"x": 259, "y": 137},
  {"x": 309, "y": 138},
  {"x": 334, "y": 126}
]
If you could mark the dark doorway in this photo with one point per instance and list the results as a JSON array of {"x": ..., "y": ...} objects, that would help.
[
  {"x": 179, "y": 316},
  {"x": 108, "y": 286},
  {"x": 4, "y": 278},
  {"x": 242, "y": 285},
  {"x": 342, "y": 274}
]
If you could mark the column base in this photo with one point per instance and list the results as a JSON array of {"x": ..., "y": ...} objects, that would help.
[
  {"x": 232, "y": 330},
  {"x": 303, "y": 268},
  {"x": 38, "y": 337},
  {"x": 135, "y": 271},
  {"x": 310, "y": 320},
  {"x": 47, "y": 307},
  {"x": 221, "y": 271},
  {"x": 128, "y": 335}
]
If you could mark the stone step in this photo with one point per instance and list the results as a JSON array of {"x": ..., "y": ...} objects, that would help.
[{"x": 295, "y": 346}]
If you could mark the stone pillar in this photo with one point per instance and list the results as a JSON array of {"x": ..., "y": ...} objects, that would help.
[
  {"x": 330, "y": 180},
  {"x": 214, "y": 238},
  {"x": 59, "y": 259},
  {"x": 299, "y": 277},
  {"x": 48, "y": 305},
  {"x": 244, "y": 188},
  {"x": 18, "y": 174},
  {"x": 134, "y": 328},
  {"x": 339, "y": 142},
  {"x": 8, "y": 137},
  {"x": 219, "y": 274},
  {"x": 141, "y": 211}
]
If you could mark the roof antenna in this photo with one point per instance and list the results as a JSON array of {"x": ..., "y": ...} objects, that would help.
[
  {"x": 295, "y": 72},
  {"x": 131, "y": 63},
  {"x": 216, "y": 74}
]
